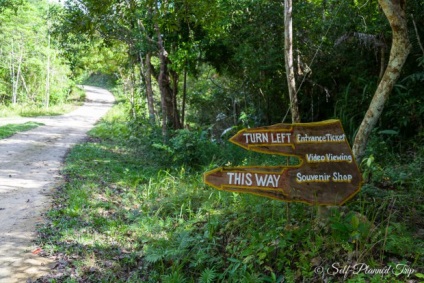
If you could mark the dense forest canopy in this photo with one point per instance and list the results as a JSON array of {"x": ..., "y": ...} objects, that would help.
[
  {"x": 179, "y": 57},
  {"x": 228, "y": 55},
  {"x": 187, "y": 75}
]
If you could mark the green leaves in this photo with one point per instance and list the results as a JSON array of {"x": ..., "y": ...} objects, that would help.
[
  {"x": 32, "y": 70},
  {"x": 208, "y": 275},
  {"x": 10, "y": 4}
]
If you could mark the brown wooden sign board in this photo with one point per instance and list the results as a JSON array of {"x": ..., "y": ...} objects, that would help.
[{"x": 327, "y": 173}]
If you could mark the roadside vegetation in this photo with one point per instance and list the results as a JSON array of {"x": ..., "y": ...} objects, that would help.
[
  {"x": 11, "y": 129},
  {"x": 136, "y": 210},
  {"x": 33, "y": 110},
  {"x": 35, "y": 79},
  {"x": 188, "y": 75}
]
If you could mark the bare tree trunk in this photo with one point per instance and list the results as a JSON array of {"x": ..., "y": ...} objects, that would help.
[
  {"x": 12, "y": 72},
  {"x": 161, "y": 78},
  {"x": 18, "y": 74},
  {"x": 164, "y": 81},
  {"x": 288, "y": 50},
  {"x": 146, "y": 70},
  {"x": 382, "y": 61},
  {"x": 168, "y": 94},
  {"x": 175, "y": 112},
  {"x": 47, "y": 95},
  {"x": 184, "y": 96},
  {"x": 395, "y": 13},
  {"x": 25, "y": 87},
  {"x": 131, "y": 90},
  {"x": 15, "y": 74},
  {"x": 146, "y": 73}
]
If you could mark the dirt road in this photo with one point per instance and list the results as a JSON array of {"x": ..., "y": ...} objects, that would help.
[{"x": 29, "y": 171}]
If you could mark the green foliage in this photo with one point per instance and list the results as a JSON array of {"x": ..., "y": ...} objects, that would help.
[
  {"x": 346, "y": 108},
  {"x": 75, "y": 98},
  {"x": 32, "y": 70},
  {"x": 232, "y": 53},
  {"x": 10, "y": 4},
  {"x": 34, "y": 110},
  {"x": 188, "y": 148},
  {"x": 250, "y": 54},
  {"x": 100, "y": 80},
  {"x": 208, "y": 275},
  {"x": 136, "y": 210},
  {"x": 174, "y": 277},
  {"x": 405, "y": 111}
]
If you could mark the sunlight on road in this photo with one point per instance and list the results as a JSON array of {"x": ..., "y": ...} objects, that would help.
[{"x": 29, "y": 172}]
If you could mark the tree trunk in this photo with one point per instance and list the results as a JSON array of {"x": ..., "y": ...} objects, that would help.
[
  {"x": 164, "y": 87},
  {"x": 146, "y": 67},
  {"x": 161, "y": 81},
  {"x": 288, "y": 50},
  {"x": 382, "y": 61},
  {"x": 184, "y": 96},
  {"x": 15, "y": 71},
  {"x": 12, "y": 73},
  {"x": 129, "y": 88},
  {"x": 395, "y": 13},
  {"x": 175, "y": 112},
  {"x": 164, "y": 104},
  {"x": 170, "y": 114},
  {"x": 47, "y": 94},
  {"x": 147, "y": 70}
]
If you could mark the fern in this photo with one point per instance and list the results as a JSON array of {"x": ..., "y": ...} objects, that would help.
[
  {"x": 154, "y": 255},
  {"x": 421, "y": 61},
  {"x": 174, "y": 277},
  {"x": 208, "y": 275}
]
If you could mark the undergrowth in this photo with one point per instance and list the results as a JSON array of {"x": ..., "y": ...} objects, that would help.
[
  {"x": 134, "y": 209},
  {"x": 29, "y": 109}
]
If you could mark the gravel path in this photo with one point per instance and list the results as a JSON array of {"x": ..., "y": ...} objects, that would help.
[{"x": 29, "y": 172}]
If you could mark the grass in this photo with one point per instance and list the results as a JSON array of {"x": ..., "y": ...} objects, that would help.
[
  {"x": 134, "y": 211},
  {"x": 11, "y": 129},
  {"x": 34, "y": 111}
]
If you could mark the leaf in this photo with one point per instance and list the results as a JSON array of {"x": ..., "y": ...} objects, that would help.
[
  {"x": 207, "y": 276},
  {"x": 354, "y": 221},
  {"x": 174, "y": 277},
  {"x": 389, "y": 132},
  {"x": 154, "y": 255},
  {"x": 419, "y": 275},
  {"x": 233, "y": 260},
  {"x": 370, "y": 160}
]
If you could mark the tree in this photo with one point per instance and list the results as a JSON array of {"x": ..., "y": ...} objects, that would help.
[
  {"x": 25, "y": 51},
  {"x": 288, "y": 48},
  {"x": 248, "y": 54},
  {"x": 395, "y": 13},
  {"x": 150, "y": 29}
]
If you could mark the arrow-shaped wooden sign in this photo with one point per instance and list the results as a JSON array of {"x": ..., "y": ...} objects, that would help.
[{"x": 326, "y": 175}]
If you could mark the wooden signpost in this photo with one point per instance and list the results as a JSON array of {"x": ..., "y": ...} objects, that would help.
[{"x": 327, "y": 173}]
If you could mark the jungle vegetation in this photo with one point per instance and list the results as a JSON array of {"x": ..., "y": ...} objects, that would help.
[{"x": 188, "y": 75}]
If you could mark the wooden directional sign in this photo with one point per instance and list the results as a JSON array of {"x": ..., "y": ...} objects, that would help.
[{"x": 327, "y": 173}]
